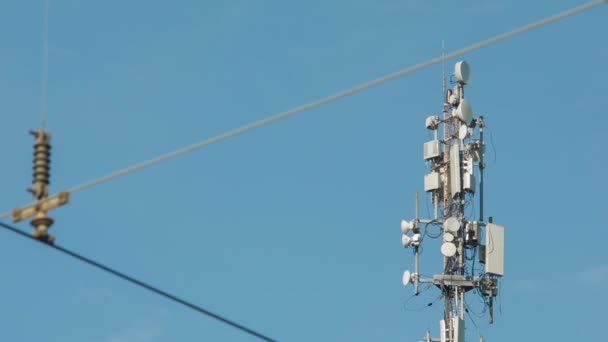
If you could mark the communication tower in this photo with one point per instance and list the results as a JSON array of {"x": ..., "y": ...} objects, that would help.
[{"x": 464, "y": 239}]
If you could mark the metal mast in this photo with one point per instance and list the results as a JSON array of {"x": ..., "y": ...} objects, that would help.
[{"x": 452, "y": 184}]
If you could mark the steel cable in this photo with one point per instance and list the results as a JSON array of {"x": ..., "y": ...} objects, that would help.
[{"x": 331, "y": 98}]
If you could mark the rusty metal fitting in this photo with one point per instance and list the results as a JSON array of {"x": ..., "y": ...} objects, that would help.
[{"x": 41, "y": 224}]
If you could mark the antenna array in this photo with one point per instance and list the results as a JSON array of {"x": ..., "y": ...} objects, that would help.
[{"x": 452, "y": 184}]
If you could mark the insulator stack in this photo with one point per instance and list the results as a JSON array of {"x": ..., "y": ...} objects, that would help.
[
  {"x": 42, "y": 164},
  {"x": 40, "y": 185}
]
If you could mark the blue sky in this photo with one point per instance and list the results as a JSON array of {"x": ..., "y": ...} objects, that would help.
[{"x": 293, "y": 229}]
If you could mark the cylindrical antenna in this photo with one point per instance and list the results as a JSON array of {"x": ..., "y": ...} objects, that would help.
[
  {"x": 462, "y": 305},
  {"x": 417, "y": 270}
]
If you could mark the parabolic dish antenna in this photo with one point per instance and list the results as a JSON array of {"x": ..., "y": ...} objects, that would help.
[
  {"x": 462, "y": 71},
  {"x": 407, "y": 277},
  {"x": 448, "y": 237},
  {"x": 405, "y": 240},
  {"x": 451, "y": 225},
  {"x": 464, "y": 111},
  {"x": 406, "y": 226},
  {"x": 463, "y": 132},
  {"x": 448, "y": 249}
]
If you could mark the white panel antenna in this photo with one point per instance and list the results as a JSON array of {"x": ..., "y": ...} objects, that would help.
[
  {"x": 454, "y": 170},
  {"x": 458, "y": 329},
  {"x": 468, "y": 182},
  {"x": 495, "y": 249},
  {"x": 431, "y": 149},
  {"x": 432, "y": 181}
]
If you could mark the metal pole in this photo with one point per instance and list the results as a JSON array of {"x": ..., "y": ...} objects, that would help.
[
  {"x": 482, "y": 166},
  {"x": 491, "y": 309},
  {"x": 417, "y": 218},
  {"x": 417, "y": 251},
  {"x": 443, "y": 67},
  {"x": 436, "y": 204}
]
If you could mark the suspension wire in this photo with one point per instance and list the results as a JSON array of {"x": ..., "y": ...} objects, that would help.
[
  {"x": 141, "y": 284},
  {"x": 331, "y": 98},
  {"x": 45, "y": 65}
]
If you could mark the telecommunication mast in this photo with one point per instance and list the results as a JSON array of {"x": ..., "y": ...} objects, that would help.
[{"x": 464, "y": 239}]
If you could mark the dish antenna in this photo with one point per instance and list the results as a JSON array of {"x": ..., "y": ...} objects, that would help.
[
  {"x": 406, "y": 241},
  {"x": 448, "y": 237},
  {"x": 464, "y": 111},
  {"x": 463, "y": 132},
  {"x": 462, "y": 71},
  {"x": 448, "y": 249},
  {"x": 407, "y": 277},
  {"x": 451, "y": 225},
  {"x": 406, "y": 226}
]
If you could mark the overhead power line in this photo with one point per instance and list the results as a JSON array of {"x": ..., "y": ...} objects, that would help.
[
  {"x": 331, "y": 98},
  {"x": 141, "y": 284}
]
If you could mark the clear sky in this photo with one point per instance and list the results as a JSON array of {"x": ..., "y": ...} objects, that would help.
[{"x": 293, "y": 229}]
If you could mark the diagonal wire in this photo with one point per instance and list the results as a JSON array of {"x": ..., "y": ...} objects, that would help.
[
  {"x": 142, "y": 284},
  {"x": 45, "y": 64},
  {"x": 331, "y": 98}
]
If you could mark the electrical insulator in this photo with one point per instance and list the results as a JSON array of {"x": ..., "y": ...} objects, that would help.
[
  {"x": 42, "y": 164},
  {"x": 41, "y": 224},
  {"x": 40, "y": 185}
]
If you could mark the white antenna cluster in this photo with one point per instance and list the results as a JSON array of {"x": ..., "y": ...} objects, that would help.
[{"x": 452, "y": 184}]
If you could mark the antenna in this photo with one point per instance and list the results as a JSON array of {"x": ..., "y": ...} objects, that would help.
[
  {"x": 443, "y": 69},
  {"x": 452, "y": 184}
]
